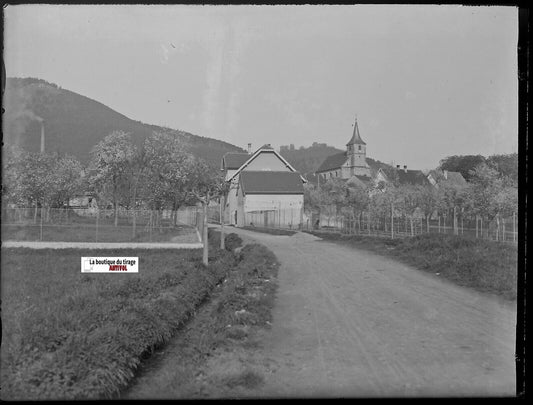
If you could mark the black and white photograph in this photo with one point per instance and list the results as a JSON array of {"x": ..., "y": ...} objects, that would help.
[{"x": 292, "y": 201}]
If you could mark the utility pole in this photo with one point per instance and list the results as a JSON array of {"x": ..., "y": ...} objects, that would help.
[
  {"x": 205, "y": 257},
  {"x": 222, "y": 201},
  {"x": 392, "y": 221}
]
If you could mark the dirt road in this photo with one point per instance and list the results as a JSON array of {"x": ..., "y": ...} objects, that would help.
[{"x": 351, "y": 323}]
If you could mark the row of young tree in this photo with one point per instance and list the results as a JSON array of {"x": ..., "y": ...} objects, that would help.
[
  {"x": 159, "y": 174},
  {"x": 488, "y": 195}
]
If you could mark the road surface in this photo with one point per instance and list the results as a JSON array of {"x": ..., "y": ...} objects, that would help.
[{"x": 351, "y": 323}]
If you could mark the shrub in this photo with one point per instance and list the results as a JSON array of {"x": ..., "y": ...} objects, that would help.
[{"x": 232, "y": 241}]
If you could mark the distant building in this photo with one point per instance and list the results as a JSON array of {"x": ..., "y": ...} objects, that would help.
[
  {"x": 437, "y": 177},
  {"x": 345, "y": 165},
  {"x": 263, "y": 185},
  {"x": 285, "y": 148},
  {"x": 402, "y": 176}
]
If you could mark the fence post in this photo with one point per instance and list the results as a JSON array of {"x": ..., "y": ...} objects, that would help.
[
  {"x": 205, "y": 253},
  {"x": 455, "y": 230},
  {"x": 514, "y": 228},
  {"x": 222, "y": 242},
  {"x": 97, "y": 215},
  {"x": 151, "y": 223},
  {"x": 392, "y": 221},
  {"x": 41, "y": 233}
]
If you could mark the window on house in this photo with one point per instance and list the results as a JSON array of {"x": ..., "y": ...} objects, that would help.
[{"x": 359, "y": 147}]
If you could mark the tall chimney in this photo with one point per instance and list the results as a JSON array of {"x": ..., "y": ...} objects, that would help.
[
  {"x": 42, "y": 137},
  {"x": 397, "y": 166},
  {"x": 249, "y": 148},
  {"x": 405, "y": 168}
]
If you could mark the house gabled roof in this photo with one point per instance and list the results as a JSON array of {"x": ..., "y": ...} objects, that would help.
[
  {"x": 265, "y": 149},
  {"x": 266, "y": 182},
  {"x": 332, "y": 162},
  {"x": 409, "y": 177},
  {"x": 454, "y": 178},
  {"x": 413, "y": 177},
  {"x": 232, "y": 160},
  {"x": 356, "y": 137},
  {"x": 363, "y": 181}
]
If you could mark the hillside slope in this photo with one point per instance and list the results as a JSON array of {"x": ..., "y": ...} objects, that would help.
[
  {"x": 308, "y": 160},
  {"x": 74, "y": 123}
]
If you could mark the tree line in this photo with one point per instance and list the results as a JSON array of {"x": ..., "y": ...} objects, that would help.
[
  {"x": 159, "y": 174},
  {"x": 489, "y": 194}
]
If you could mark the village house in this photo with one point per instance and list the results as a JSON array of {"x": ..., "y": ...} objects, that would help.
[
  {"x": 437, "y": 177},
  {"x": 84, "y": 204},
  {"x": 265, "y": 189},
  {"x": 402, "y": 177}
]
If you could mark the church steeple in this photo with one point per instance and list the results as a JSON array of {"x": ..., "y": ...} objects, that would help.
[
  {"x": 356, "y": 154},
  {"x": 356, "y": 138}
]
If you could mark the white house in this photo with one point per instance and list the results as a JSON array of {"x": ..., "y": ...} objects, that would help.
[{"x": 265, "y": 189}]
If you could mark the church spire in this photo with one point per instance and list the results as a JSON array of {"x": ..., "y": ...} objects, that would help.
[{"x": 356, "y": 138}]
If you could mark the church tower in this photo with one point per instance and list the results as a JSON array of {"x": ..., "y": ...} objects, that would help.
[{"x": 356, "y": 154}]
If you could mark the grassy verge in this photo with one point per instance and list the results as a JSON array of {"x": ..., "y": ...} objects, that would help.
[
  {"x": 483, "y": 265},
  {"x": 271, "y": 231},
  {"x": 215, "y": 355},
  {"x": 68, "y": 335}
]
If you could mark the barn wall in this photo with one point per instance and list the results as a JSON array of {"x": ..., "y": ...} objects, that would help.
[{"x": 267, "y": 210}]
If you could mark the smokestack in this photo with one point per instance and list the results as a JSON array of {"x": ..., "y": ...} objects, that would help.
[
  {"x": 42, "y": 136},
  {"x": 397, "y": 166},
  {"x": 249, "y": 148},
  {"x": 405, "y": 168}
]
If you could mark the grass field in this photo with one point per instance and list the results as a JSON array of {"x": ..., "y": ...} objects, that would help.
[
  {"x": 480, "y": 264},
  {"x": 87, "y": 232},
  {"x": 69, "y": 335}
]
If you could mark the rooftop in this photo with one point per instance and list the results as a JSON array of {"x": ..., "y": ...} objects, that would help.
[
  {"x": 413, "y": 177},
  {"x": 332, "y": 162},
  {"x": 356, "y": 137},
  {"x": 271, "y": 182},
  {"x": 234, "y": 160}
]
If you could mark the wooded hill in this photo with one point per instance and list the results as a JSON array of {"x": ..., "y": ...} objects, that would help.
[{"x": 74, "y": 123}]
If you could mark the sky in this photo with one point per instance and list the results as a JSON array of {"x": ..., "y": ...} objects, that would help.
[{"x": 424, "y": 81}]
